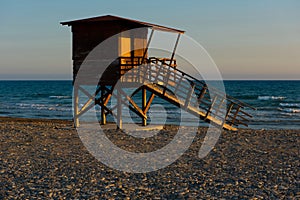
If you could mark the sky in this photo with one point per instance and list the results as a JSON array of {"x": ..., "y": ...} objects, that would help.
[{"x": 257, "y": 39}]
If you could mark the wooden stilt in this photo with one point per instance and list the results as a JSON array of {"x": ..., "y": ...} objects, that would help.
[
  {"x": 144, "y": 104},
  {"x": 103, "y": 115},
  {"x": 119, "y": 109},
  {"x": 75, "y": 105},
  {"x": 149, "y": 103}
]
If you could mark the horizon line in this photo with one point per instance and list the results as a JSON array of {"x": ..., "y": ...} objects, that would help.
[{"x": 204, "y": 80}]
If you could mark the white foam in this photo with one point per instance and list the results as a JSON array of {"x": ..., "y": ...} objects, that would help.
[
  {"x": 23, "y": 104},
  {"x": 297, "y": 105},
  {"x": 36, "y": 106},
  {"x": 60, "y": 97},
  {"x": 290, "y": 110},
  {"x": 265, "y": 98}
]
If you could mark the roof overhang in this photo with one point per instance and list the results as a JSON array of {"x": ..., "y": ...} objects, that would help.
[{"x": 116, "y": 18}]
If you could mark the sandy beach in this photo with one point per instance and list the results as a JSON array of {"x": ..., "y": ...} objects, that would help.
[{"x": 45, "y": 159}]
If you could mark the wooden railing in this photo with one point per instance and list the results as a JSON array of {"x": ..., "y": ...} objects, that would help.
[{"x": 188, "y": 92}]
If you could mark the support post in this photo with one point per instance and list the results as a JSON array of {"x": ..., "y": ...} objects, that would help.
[
  {"x": 119, "y": 109},
  {"x": 76, "y": 103},
  {"x": 175, "y": 47},
  {"x": 235, "y": 114},
  {"x": 149, "y": 103},
  {"x": 189, "y": 96},
  {"x": 144, "y": 104},
  {"x": 202, "y": 93},
  {"x": 103, "y": 115},
  {"x": 148, "y": 43},
  {"x": 211, "y": 106},
  {"x": 227, "y": 113}
]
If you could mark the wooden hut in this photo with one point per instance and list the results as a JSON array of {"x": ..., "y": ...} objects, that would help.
[
  {"x": 130, "y": 47},
  {"x": 130, "y": 51},
  {"x": 90, "y": 32}
]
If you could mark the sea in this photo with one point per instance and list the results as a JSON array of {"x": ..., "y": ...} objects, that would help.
[{"x": 277, "y": 102}]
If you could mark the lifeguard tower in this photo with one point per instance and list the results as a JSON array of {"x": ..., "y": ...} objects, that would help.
[{"x": 130, "y": 64}]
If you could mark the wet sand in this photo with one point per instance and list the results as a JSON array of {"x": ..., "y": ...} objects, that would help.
[{"x": 46, "y": 159}]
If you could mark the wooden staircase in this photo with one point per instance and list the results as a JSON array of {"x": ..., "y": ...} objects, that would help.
[{"x": 188, "y": 93}]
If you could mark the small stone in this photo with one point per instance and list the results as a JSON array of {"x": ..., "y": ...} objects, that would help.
[
  {"x": 69, "y": 187},
  {"x": 50, "y": 194}
]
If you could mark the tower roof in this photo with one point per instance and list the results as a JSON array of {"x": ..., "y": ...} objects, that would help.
[{"x": 120, "y": 19}]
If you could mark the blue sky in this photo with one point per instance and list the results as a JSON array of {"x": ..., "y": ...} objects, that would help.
[{"x": 258, "y": 39}]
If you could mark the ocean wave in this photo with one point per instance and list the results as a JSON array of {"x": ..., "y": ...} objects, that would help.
[
  {"x": 59, "y": 109},
  {"x": 289, "y": 110},
  {"x": 297, "y": 105},
  {"x": 247, "y": 97},
  {"x": 23, "y": 104},
  {"x": 60, "y": 97},
  {"x": 33, "y": 105},
  {"x": 264, "y": 98},
  {"x": 36, "y": 106}
]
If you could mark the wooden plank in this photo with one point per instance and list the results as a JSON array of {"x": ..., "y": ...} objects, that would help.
[
  {"x": 133, "y": 104},
  {"x": 192, "y": 110},
  {"x": 86, "y": 92},
  {"x": 148, "y": 103},
  {"x": 144, "y": 104},
  {"x": 228, "y": 112},
  {"x": 82, "y": 111},
  {"x": 236, "y": 113},
  {"x": 119, "y": 109},
  {"x": 103, "y": 114},
  {"x": 211, "y": 106},
  {"x": 86, "y": 105},
  {"x": 202, "y": 93},
  {"x": 246, "y": 113},
  {"x": 189, "y": 96},
  {"x": 219, "y": 107},
  {"x": 76, "y": 104}
]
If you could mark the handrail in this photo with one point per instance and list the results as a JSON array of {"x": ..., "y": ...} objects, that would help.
[
  {"x": 164, "y": 74},
  {"x": 185, "y": 74}
]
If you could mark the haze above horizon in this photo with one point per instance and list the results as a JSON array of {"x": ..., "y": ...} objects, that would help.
[{"x": 247, "y": 39}]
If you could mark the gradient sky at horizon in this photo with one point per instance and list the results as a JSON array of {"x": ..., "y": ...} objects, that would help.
[{"x": 258, "y": 39}]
